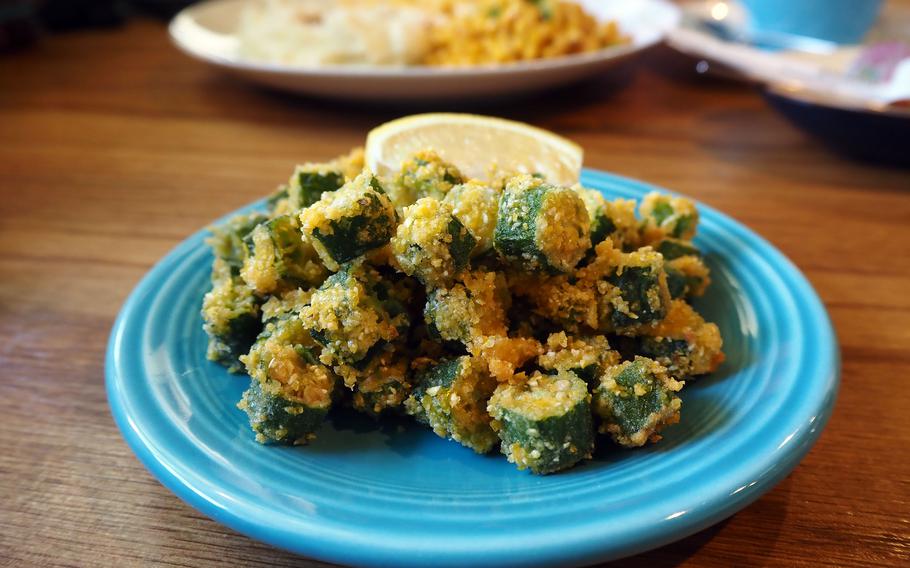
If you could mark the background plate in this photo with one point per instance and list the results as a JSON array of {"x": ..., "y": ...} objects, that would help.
[
  {"x": 396, "y": 494},
  {"x": 206, "y": 31}
]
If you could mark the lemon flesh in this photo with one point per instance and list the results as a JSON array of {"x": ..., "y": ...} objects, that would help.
[{"x": 479, "y": 146}]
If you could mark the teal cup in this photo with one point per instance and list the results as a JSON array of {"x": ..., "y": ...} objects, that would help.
[{"x": 838, "y": 21}]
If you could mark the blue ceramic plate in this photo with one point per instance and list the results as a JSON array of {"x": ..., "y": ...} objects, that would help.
[{"x": 395, "y": 494}]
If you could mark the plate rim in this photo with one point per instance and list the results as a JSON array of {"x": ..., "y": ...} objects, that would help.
[{"x": 773, "y": 467}]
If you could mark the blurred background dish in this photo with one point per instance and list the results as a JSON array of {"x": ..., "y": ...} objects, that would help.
[
  {"x": 851, "y": 95},
  {"x": 211, "y": 31},
  {"x": 870, "y": 133}
]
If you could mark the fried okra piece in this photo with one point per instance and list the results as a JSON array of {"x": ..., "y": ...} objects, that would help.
[
  {"x": 290, "y": 391},
  {"x": 667, "y": 216},
  {"x": 476, "y": 205},
  {"x": 231, "y": 317},
  {"x": 279, "y": 259},
  {"x": 585, "y": 356},
  {"x": 425, "y": 174},
  {"x": 545, "y": 423},
  {"x": 348, "y": 319},
  {"x": 431, "y": 244},
  {"x": 383, "y": 386},
  {"x": 310, "y": 181},
  {"x": 348, "y": 222},
  {"x": 641, "y": 295},
  {"x": 502, "y": 355},
  {"x": 683, "y": 342},
  {"x": 286, "y": 304},
  {"x": 541, "y": 227},
  {"x": 610, "y": 219},
  {"x": 315, "y": 179},
  {"x": 451, "y": 398},
  {"x": 687, "y": 274},
  {"x": 474, "y": 307},
  {"x": 228, "y": 241},
  {"x": 635, "y": 400},
  {"x": 567, "y": 302},
  {"x": 277, "y": 203}
]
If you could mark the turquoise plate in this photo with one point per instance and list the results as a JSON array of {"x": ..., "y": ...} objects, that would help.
[{"x": 395, "y": 494}]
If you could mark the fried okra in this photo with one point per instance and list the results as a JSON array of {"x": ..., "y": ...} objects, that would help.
[
  {"x": 613, "y": 220},
  {"x": 431, "y": 244},
  {"x": 424, "y": 175},
  {"x": 567, "y": 302},
  {"x": 641, "y": 295},
  {"x": 667, "y": 216},
  {"x": 228, "y": 241},
  {"x": 346, "y": 223},
  {"x": 291, "y": 391},
  {"x": 474, "y": 307},
  {"x": 635, "y": 400},
  {"x": 687, "y": 274},
  {"x": 310, "y": 181},
  {"x": 279, "y": 259},
  {"x": 451, "y": 398},
  {"x": 545, "y": 422},
  {"x": 383, "y": 385},
  {"x": 476, "y": 205},
  {"x": 541, "y": 227},
  {"x": 231, "y": 317},
  {"x": 503, "y": 356},
  {"x": 585, "y": 356},
  {"x": 347, "y": 318},
  {"x": 683, "y": 342},
  {"x": 479, "y": 308}
]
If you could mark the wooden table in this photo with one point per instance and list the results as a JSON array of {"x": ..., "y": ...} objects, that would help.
[{"x": 114, "y": 147}]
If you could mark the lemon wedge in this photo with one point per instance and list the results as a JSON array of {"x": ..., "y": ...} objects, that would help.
[{"x": 479, "y": 146}]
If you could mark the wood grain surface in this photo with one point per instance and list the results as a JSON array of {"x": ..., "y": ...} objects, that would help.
[{"x": 114, "y": 147}]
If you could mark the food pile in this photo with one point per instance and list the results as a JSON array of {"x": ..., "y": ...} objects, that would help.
[
  {"x": 418, "y": 32},
  {"x": 511, "y": 313}
]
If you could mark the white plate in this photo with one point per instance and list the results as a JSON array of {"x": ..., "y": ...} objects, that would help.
[{"x": 206, "y": 31}]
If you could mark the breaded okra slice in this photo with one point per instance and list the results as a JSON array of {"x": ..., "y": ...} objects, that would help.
[
  {"x": 687, "y": 274},
  {"x": 316, "y": 179},
  {"x": 290, "y": 391},
  {"x": 567, "y": 302},
  {"x": 545, "y": 422},
  {"x": 228, "y": 241},
  {"x": 286, "y": 304},
  {"x": 667, "y": 216},
  {"x": 348, "y": 222},
  {"x": 635, "y": 400},
  {"x": 231, "y": 317},
  {"x": 451, "y": 398},
  {"x": 585, "y": 356},
  {"x": 474, "y": 307},
  {"x": 310, "y": 181},
  {"x": 425, "y": 174},
  {"x": 641, "y": 295},
  {"x": 541, "y": 227},
  {"x": 683, "y": 342},
  {"x": 383, "y": 385},
  {"x": 279, "y": 259},
  {"x": 476, "y": 205},
  {"x": 502, "y": 356},
  {"x": 431, "y": 244},
  {"x": 347, "y": 318},
  {"x": 610, "y": 219}
]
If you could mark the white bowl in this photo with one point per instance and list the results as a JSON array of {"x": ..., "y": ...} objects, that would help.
[{"x": 207, "y": 31}]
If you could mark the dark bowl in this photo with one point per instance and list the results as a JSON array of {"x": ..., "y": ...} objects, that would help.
[{"x": 880, "y": 136}]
